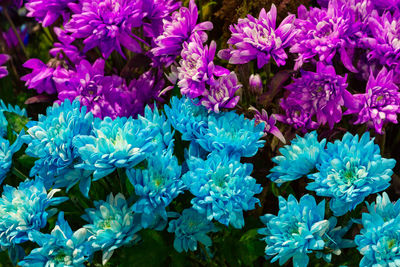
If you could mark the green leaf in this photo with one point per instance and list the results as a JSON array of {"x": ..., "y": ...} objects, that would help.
[{"x": 15, "y": 121}]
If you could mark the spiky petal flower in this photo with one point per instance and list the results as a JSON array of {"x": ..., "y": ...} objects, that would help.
[
  {"x": 269, "y": 123},
  {"x": 322, "y": 93},
  {"x": 222, "y": 93},
  {"x": 298, "y": 159},
  {"x": 50, "y": 140},
  {"x": 62, "y": 247},
  {"x": 191, "y": 227},
  {"x": 296, "y": 231},
  {"x": 380, "y": 103},
  {"x": 3, "y": 70},
  {"x": 47, "y": 12},
  {"x": 111, "y": 225},
  {"x": 177, "y": 31},
  {"x": 379, "y": 239},
  {"x": 156, "y": 186},
  {"x": 231, "y": 133},
  {"x": 259, "y": 39},
  {"x": 223, "y": 188},
  {"x": 186, "y": 117},
  {"x": 119, "y": 143},
  {"x": 23, "y": 211},
  {"x": 350, "y": 170},
  {"x": 325, "y": 32},
  {"x": 106, "y": 24}
]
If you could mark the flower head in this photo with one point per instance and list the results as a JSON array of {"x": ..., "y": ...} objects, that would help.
[
  {"x": 3, "y": 70},
  {"x": 350, "y": 170},
  {"x": 177, "y": 31},
  {"x": 321, "y": 93},
  {"x": 119, "y": 143},
  {"x": 50, "y": 140},
  {"x": 106, "y": 24},
  {"x": 256, "y": 84},
  {"x": 298, "y": 159},
  {"x": 296, "y": 231},
  {"x": 48, "y": 11},
  {"x": 259, "y": 39},
  {"x": 62, "y": 247},
  {"x": 111, "y": 225},
  {"x": 191, "y": 227},
  {"x": 223, "y": 188},
  {"x": 156, "y": 186},
  {"x": 269, "y": 123},
  {"x": 380, "y": 103},
  {"x": 23, "y": 211}
]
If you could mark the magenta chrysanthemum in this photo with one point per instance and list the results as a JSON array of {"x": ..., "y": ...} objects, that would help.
[{"x": 3, "y": 69}]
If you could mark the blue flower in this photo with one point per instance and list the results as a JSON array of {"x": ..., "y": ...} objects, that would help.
[
  {"x": 154, "y": 118},
  {"x": 297, "y": 159},
  {"x": 6, "y": 153},
  {"x": 23, "y": 211},
  {"x": 379, "y": 240},
  {"x": 232, "y": 133},
  {"x": 119, "y": 143},
  {"x": 61, "y": 248},
  {"x": 296, "y": 231},
  {"x": 223, "y": 188},
  {"x": 191, "y": 227},
  {"x": 186, "y": 117},
  {"x": 349, "y": 171},
  {"x": 111, "y": 225},
  {"x": 156, "y": 186},
  {"x": 50, "y": 140},
  {"x": 3, "y": 121}
]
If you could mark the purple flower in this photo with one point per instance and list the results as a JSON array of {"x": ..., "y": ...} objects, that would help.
[
  {"x": 385, "y": 41},
  {"x": 269, "y": 123},
  {"x": 197, "y": 68},
  {"x": 3, "y": 69},
  {"x": 106, "y": 24},
  {"x": 65, "y": 47},
  {"x": 222, "y": 93},
  {"x": 41, "y": 77},
  {"x": 321, "y": 93},
  {"x": 260, "y": 39},
  {"x": 323, "y": 32},
  {"x": 296, "y": 115},
  {"x": 255, "y": 83},
  {"x": 388, "y": 5},
  {"x": 155, "y": 12},
  {"x": 48, "y": 11},
  {"x": 379, "y": 104},
  {"x": 11, "y": 39},
  {"x": 177, "y": 31}
]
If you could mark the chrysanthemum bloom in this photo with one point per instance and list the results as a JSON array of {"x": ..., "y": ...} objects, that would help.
[
  {"x": 156, "y": 186},
  {"x": 23, "y": 211},
  {"x": 106, "y": 24},
  {"x": 50, "y": 140},
  {"x": 48, "y": 11},
  {"x": 65, "y": 48},
  {"x": 62, "y": 247},
  {"x": 380, "y": 103},
  {"x": 298, "y": 159},
  {"x": 379, "y": 240},
  {"x": 322, "y": 93},
  {"x": 324, "y": 32},
  {"x": 120, "y": 143},
  {"x": 269, "y": 123},
  {"x": 259, "y": 39},
  {"x": 231, "y": 133},
  {"x": 186, "y": 117},
  {"x": 350, "y": 170},
  {"x": 196, "y": 68},
  {"x": 256, "y": 84},
  {"x": 222, "y": 93},
  {"x": 223, "y": 188},
  {"x": 41, "y": 78},
  {"x": 111, "y": 225},
  {"x": 177, "y": 31},
  {"x": 390, "y": 5},
  {"x": 191, "y": 227},
  {"x": 155, "y": 12},
  {"x": 3, "y": 69},
  {"x": 6, "y": 153},
  {"x": 296, "y": 231}
]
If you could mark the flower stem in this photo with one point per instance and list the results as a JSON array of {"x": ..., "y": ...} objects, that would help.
[{"x": 19, "y": 174}]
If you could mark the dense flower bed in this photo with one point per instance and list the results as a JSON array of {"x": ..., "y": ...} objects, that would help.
[{"x": 136, "y": 133}]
